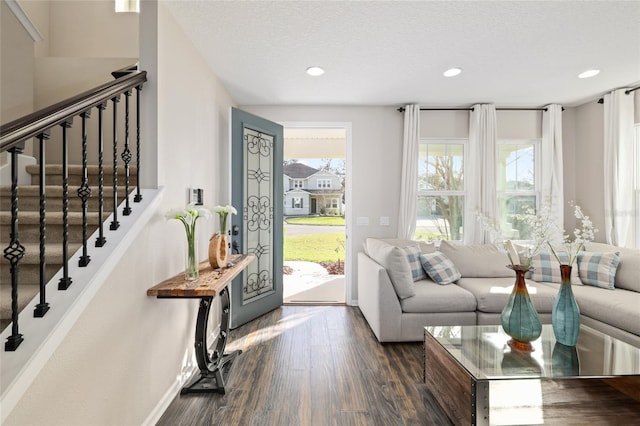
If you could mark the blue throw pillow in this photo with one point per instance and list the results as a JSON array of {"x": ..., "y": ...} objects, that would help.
[
  {"x": 547, "y": 269},
  {"x": 413, "y": 256},
  {"x": 440, "y": 268},
  {"x": 598, "y": 269}
]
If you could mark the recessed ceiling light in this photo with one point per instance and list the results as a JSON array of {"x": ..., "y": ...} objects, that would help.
[
  {"x": 315, "y": 71},
  {"x": 452, "y": 72},
  {"x": 588, "y": 73}
]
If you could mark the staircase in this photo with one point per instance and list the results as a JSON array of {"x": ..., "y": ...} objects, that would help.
[{"x": 29, "y": 226}]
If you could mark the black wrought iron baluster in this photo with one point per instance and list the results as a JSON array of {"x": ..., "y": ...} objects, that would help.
[
  {"x": 42, "y": 307},
  {"x": 138, "y": 196},
  {"x": 126, "y": 154},
  {"x": 14, "y": 253},
  {"x": 114, "y": 223},
  {"x": 100, "y": 240},
  {"x": 84, "y": 191},
  {"x": 65, "y": 281}
]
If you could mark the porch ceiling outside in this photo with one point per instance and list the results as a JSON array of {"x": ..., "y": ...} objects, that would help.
[{"x": 314, "y": 143}]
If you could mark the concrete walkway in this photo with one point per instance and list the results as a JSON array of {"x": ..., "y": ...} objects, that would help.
[{"x": 311, "y": 283}]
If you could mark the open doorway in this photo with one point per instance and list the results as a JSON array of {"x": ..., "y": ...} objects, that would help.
[{"x": 314, "y": 214}]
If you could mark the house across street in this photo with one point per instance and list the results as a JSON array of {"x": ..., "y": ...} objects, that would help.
[{"x": 309, "y": 191}]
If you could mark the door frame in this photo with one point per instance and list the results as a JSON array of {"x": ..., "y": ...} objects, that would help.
[{"x": 349, "y": 219}]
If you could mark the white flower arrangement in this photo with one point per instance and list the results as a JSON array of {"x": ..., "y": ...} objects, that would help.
[
  {"x": 546, "y": 231},
  {"x": 581, "y": 237},
  {"x": 526, "y": 250},
  {"x": 223, "y": 212},
  {"x": 188, "y": 216}
]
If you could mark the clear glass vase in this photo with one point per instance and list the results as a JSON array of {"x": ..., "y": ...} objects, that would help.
[
  {"x": 191, "y": 267},
  {"x": 565, "y": 316},
  {"x": 519, "y": 317}
]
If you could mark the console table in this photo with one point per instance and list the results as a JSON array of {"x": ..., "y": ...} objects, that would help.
[{"x": 214, "y": 367}]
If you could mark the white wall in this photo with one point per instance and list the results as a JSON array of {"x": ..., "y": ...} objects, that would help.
[
  {"x": 588, "y": 163},
  {"x": 128, "y": 349},
  {"x": 85, "y": 29},
  {"x": 16, "y": 68}
]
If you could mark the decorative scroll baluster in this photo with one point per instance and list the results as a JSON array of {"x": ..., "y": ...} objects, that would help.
[
  {"x": 114, "y": 223},
  {"x": 126, "y": 154},
  {"x": 13, "y": 253},
  {"x": 42, "y": 307},
  {"x": 100, "y": 240},
  {"x": 138, "y": 196},
  {"x": 65, "y": 281},
  {"x": 84, "y": 191}
]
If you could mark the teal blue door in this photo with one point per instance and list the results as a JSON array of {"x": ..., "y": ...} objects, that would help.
[{"x": 257, "y": 194}]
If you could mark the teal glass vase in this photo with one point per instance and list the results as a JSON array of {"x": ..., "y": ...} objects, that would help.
[
  {"x": 565, "y": 316},
  {"x": 519, "y": 317}
]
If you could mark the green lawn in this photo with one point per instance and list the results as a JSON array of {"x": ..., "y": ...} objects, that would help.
[
  {"x": 315, "y": 247},
  {"x": 316, "y": 220}
]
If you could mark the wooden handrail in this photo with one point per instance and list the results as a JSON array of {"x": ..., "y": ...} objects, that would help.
[{"x": 17, "y": 131}]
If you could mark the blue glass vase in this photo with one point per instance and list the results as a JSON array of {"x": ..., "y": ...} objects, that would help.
[
  {"x": 519, "y": 317},
  {"x": 565, "y": 316}
]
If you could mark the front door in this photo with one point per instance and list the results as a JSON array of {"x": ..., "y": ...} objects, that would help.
[
  {"x": 257, "y": 194},
  {"x": 314, "y": 206}
]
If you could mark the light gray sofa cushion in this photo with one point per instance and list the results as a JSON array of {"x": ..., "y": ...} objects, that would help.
[
  {"x": 628, "y": 272},
  {"x": 480, "y": 260},
  {"x": 492, "y": 294},
  {"x": 394, "y": 260},
  {"x": 617, "y": 307},
  {"x": 431, "y": 297}
]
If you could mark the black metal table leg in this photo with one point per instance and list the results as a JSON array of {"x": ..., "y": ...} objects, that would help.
[{"x": 215, "y": 366}]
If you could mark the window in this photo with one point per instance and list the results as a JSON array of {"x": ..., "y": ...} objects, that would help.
[
  {"x": 297, "y": 203},
  {"x": 517, "y": 184},
  {"x": 441, "y": 193},
  {"x": 331, "y": 203},
  {"x": 324, "y": 183},
  {"x": 297, "y": 183}
]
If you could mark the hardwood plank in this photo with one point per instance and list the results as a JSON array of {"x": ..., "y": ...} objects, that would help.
[{"x": 314, "y": 365}]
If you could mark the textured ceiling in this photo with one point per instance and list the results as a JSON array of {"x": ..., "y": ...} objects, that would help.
[{"x": 513, "y": 53}]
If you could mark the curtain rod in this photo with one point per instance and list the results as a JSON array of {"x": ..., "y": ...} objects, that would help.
[
  {"x": 402, "y": 109},
  {"x": 626, "y": 92}
]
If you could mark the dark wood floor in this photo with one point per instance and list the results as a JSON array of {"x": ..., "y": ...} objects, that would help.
[{"x": 314, "y": 365}]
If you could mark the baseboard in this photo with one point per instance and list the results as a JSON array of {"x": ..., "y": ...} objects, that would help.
[{"x": 168, "y": 397}]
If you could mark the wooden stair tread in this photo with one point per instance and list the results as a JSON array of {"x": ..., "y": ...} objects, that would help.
[
  {"x": 74, "y": 169},
  {"x": 52, "y": 218}
]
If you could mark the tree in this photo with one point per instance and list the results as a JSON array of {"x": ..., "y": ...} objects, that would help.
[{"x": 445, "y": 175}]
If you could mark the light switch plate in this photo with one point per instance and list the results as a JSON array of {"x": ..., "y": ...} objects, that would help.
[
  {"x": 384, "y": 220},
  {"x": 196, "y": 196}
]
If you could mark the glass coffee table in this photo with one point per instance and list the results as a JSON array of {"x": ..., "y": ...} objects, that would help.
[{"x": 478, "y": 379}]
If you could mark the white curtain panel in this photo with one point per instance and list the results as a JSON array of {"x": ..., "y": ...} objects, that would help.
[
  {"x": 551, "y": 153},
  {"x": 618, "y": 168},
  {"x": 480, "y": 180},
  {"x": 409, "y": 183}
]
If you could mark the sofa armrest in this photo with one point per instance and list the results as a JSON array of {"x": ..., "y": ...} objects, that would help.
[{"x": 377, "y": 300}]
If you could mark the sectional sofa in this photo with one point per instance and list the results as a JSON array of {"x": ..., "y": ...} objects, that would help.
[{"x": 397, "y": 300}]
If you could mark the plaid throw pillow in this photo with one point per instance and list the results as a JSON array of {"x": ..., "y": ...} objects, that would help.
[
  {"x": 440, "y": 268},
  {"x": 598, "y": 269},
  {"x": 547, "y": 269},
  {"x": 413, "y": 256}
]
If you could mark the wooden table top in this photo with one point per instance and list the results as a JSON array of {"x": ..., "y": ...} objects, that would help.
[{"x": 209, "y": 283}]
